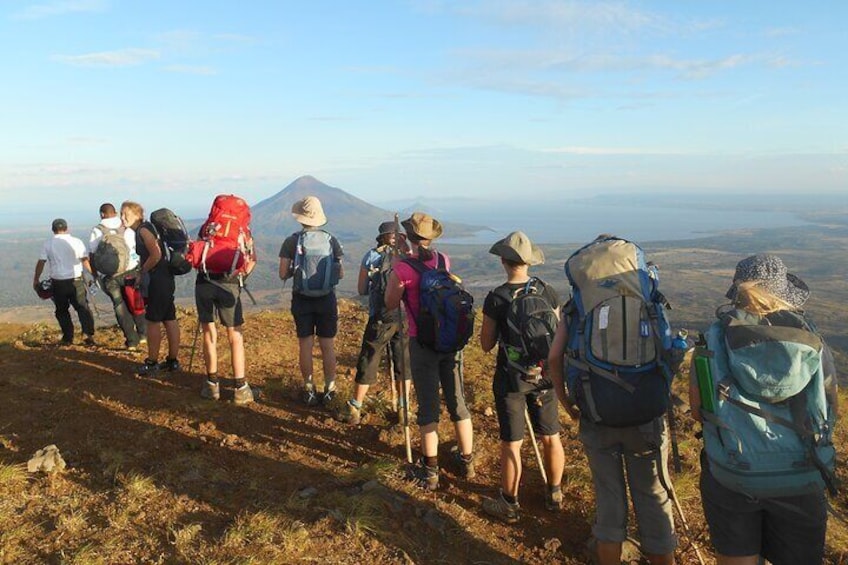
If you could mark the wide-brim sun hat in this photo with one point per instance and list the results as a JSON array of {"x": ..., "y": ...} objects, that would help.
[
  {"x": 771, "y": 274},
  {"x": 518, "y": 248},
  {"x": 386, "y": 228},
  {"x": 309, "y": 212},
  {"x": 423, "y": 226}
]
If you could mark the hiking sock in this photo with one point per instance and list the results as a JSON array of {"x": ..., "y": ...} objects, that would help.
[
  {"x": 240, "y": 382},
  {"x": 554, "y": 489},
  {"x": 307, "y": 383},
  {"x": 431, "y": 461},
  {"x": 355, "y": 403},
  {"x": 212, "y": 378},
  {"x": 509, "y": 499},
  {"x": 467, "y": 458},
  {"x": 330, "y": 384}
]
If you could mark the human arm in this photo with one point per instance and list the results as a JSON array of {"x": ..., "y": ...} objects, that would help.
[
  {"x": 555, "y": 366},
  {"x": 362, "y": 281},
  {"x": 394, "y": 291},
  {"x": 39, "y": 268},
  {"x": 151, "y": 244},
  {"x": 488, "y": 333},
  {"x": 285, "y": 268}
]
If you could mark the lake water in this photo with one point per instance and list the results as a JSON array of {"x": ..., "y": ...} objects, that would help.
[{"x": 574, "y": 222}]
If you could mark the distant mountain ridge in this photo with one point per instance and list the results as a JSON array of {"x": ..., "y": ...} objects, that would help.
[{"x": 349, "y": 218}]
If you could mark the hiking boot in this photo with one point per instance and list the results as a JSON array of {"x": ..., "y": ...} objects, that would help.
[
  {"x": 328, "y": 396},
  {"x": 309, "y": 396},
  {"x": 210, "y": 390},
  {"x": 350, "y": 414},
  {"x": 243, "y": 395},
  {"x": 501, "y": 509},
  {"x": 170, "y": 365},
  {"x": 423, "y": 475},
  {"x": 553, "y": 501},
  {"x": 66, "y": 342},
  {"x": 148, "y": 369},
  {"x": 89, "y": 341},
  {"x": 464, "y": 463}
]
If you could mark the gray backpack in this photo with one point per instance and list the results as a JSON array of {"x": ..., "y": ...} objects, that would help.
[
  {"x": 112, "y": 254},
  {"x": 316, "y": 271}
]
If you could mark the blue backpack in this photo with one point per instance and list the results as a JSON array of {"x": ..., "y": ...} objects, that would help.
[
  {"x": 770, "y": 431},
  {"x": 446, "y": 314},
  {"x": 316, "y": 271},
  {"x": 619, "y": 338}
]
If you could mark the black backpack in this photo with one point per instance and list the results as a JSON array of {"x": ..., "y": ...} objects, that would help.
[
  {"x": 378, "y": 278},
  {"x": 172, "y": 234},
  {"x": 531, "y": 322}
]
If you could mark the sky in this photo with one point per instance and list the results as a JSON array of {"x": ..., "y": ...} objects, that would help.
[{"x": 171, "y": 102}]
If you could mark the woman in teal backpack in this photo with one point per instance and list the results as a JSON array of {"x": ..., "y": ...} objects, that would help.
[{"x": 764, "y": 386}]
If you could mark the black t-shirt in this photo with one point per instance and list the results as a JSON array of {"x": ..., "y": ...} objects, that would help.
[{"x": 496, "y": 307}]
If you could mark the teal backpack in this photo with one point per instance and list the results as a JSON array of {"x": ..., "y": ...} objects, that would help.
[{"x": 769, "y": 433}]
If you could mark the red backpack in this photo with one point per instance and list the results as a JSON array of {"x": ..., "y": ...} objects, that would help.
[{"x": 224, "y": 242}]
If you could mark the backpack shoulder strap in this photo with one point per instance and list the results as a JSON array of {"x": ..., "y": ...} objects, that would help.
[{"x": 416, "y": 264}]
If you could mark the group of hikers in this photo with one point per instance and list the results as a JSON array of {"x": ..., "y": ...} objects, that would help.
[{"x": 762, "y": 380}]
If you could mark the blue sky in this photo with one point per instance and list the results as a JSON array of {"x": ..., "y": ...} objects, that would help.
[{"x": 171, "y": 102}]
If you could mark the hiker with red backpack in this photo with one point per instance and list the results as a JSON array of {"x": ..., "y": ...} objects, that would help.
[
  {"x": 312, "y": 257},
  {"x": 520, "y": 317},
  {"x": 114, "y": 262},
  {"x": 763, "y": 383},
  {"x": 608, "y": 364},
  {"x": 157, "y": 284},
  {"x": 441, "y": 319},
  {"x": 224, "y": 256},
  {"x": 383, "y": 329}
]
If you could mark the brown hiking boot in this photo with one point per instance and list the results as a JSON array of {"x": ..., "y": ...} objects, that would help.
[
  {"x": 501, "y": 509},
  {"x": 464, "y": 463},
  {"x": 243, "y": 395},
  {"x": 349, "y": 414},
  {"x": 423, "y": 475}
]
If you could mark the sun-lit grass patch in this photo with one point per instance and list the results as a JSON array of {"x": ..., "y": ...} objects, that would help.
[
  {"x": 12, "y": 478},
  {"x": 373, "y": 470},
  {"x": 184, "y": 538}
]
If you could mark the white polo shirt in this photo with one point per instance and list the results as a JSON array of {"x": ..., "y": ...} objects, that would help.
[
  {"x": 114, "y": 223},
  {"x": 63, "y": 253}
]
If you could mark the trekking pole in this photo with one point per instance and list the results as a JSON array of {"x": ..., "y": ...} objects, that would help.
[
  {"x": 535, "y": 446},
  {"x": 392, "y": 381},
  {"x": 404, "y": 347},
  {"x": 193, "y": 347},
  {"x": 672, "y": 433},
  {"x": 665, "y": 480}
]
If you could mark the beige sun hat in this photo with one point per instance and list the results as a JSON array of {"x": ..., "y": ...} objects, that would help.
[
  {"x": 423, "y": 225},
  {"x": 309, "y": 212},
  {"x": 518, "y": 248}
]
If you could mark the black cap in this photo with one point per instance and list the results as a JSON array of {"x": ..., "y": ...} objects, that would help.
[
  {"x": 59, "y": 225},
  {"x": 385, "y": 229}
]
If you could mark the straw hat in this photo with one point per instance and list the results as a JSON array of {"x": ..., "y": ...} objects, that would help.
[
  {"x": 309, "y": 212},
  {"x": 771, "y": 274},
  {"x": 518, "y": 248},
  {"x": 423, "y": 225}
]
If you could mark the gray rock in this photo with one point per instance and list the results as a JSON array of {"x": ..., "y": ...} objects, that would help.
[{"x": 307, "y": 492}]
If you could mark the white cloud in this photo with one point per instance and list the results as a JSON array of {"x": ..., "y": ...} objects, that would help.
[
  {"x": 60, "y": 8},
  {"x": 118, "y": 58},
  {"x": 192, "y": 70}
]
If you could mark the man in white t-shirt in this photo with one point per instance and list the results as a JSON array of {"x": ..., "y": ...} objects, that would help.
[
  {"x": 67, "y": 257},
  {"x": 134, "y": 327}
]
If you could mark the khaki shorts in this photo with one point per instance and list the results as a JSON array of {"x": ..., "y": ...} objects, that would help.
[{"x": 638, "y": 450}]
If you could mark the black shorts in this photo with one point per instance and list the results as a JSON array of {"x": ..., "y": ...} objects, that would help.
[
  {"x": 315, "y": 316},
  {"x": 160, "y": 296},
  {"x": 225, "y": 297},
  {"x": 541, "y": 405},
  {"x": 785, "y": 530}
]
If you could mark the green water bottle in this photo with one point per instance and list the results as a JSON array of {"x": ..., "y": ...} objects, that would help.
[{"x": 704, "y": 375}]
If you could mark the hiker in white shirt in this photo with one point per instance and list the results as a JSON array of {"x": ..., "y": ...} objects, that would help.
[
  {"x": 134, "y": 327},
  {"x": 67, "y": 258}
]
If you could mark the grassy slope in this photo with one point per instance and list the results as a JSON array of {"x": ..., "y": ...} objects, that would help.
[{"x": 157, "y": 475}]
